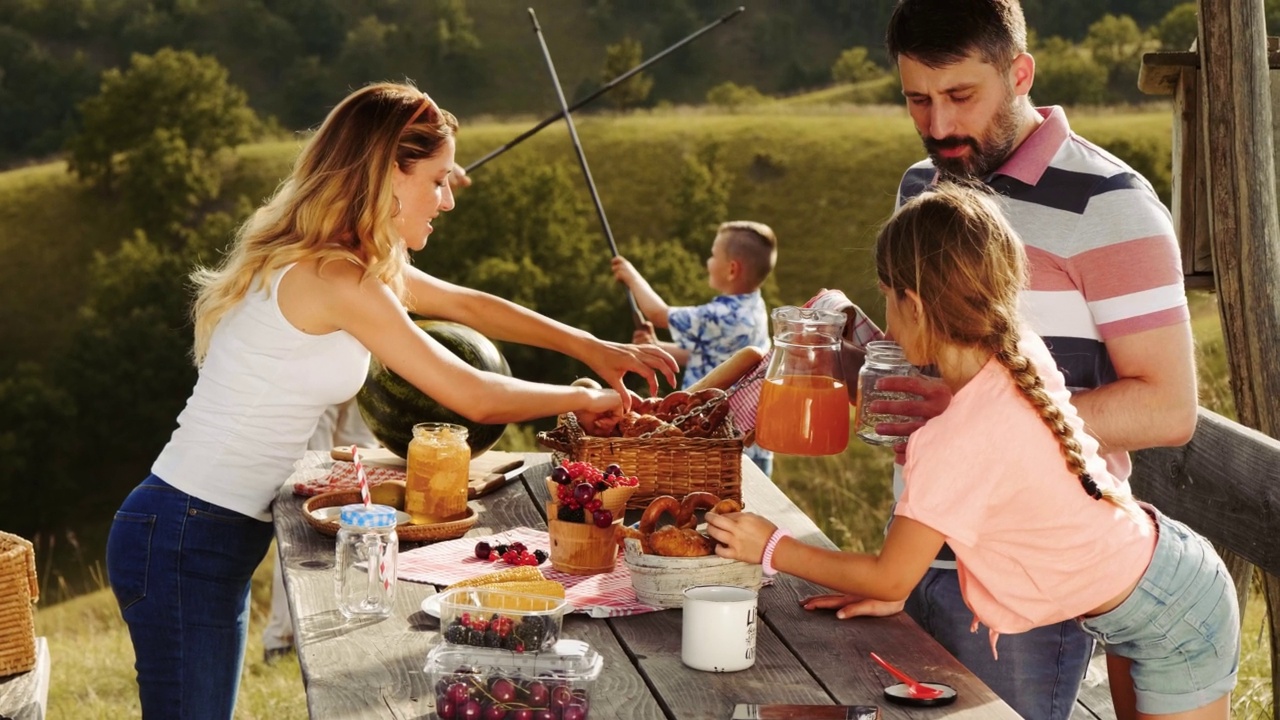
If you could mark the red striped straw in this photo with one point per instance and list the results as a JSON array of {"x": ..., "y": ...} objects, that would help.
[
  {"x": 364, "y": 479},
  {"x": 382, "y": 567}
]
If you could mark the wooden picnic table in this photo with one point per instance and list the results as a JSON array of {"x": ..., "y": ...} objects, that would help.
[{"x": 374, "y": 669}]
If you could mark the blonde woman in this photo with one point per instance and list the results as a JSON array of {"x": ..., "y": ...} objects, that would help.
[
  {"x": 1043, "y": 533},
  {"x": 317, "y": 279}
]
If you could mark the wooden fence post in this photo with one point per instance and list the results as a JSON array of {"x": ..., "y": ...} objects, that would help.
[{"x": 1243, "y": 218}]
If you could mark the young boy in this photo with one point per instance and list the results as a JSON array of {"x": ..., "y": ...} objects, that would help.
[{"x": 703, "y": 336}]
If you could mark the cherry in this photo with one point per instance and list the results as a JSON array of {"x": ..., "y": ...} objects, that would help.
[
  {"x": 613, "y": 469},
  {"x": 471, "y": 710},
  {"x": 496, "y": 711},
  {"x": 602, "y": 518},
  {"x": 546, "y": 714},
  {"x": 560, "y": 476},
  {"x": 457, "y": 692},
  {"x": 503, "y": 690},
  {"x": 574, "y": 712},
  {"x": 537, "y": 694},
  {"x": 521, "y": 714},
  {"x": 583, "y": 493},
  {"x": 445, "y": 708},
  {"x": 483, "y": 550},
  {"x": 560, "y": 696}
]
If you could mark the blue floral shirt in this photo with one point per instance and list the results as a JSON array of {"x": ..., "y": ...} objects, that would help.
[{"x": 715, "y": 331}]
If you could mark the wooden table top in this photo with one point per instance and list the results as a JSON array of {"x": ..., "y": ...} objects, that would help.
[{"x": 374, "y": 669}]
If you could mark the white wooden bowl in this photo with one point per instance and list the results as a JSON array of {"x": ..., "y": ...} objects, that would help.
[{"x": 660, "y": 581}]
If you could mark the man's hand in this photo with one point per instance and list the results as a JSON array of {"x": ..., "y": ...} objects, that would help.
[
  {"x": 934, "y": 394},
  {"x": 850, "y": 606}
]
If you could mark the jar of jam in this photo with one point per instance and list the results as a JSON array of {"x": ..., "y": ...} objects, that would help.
[
  {"x": 884, "y": 358},
  {"x": 436, "y": 473}
]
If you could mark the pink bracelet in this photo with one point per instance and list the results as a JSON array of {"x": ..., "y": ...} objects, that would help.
[{"x": 766, "y": 562}]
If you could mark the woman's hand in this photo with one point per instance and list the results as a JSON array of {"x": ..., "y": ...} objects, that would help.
[
  {"x": 742, "y": 535},
  {"x": 612, "y": 361},
  {"x": 850, "y": 606},
  {"x": 604, "y": 403}
]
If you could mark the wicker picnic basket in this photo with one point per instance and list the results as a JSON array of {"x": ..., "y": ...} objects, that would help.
[
  {"x": 665, "y": 465},
  {"x": 18, "y": 590}
]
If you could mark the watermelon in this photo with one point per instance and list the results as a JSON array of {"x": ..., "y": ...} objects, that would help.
[{"x": 391, "y": 406}]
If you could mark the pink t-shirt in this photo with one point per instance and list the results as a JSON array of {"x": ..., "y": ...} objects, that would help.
[{"x": 1032, "y": 547}]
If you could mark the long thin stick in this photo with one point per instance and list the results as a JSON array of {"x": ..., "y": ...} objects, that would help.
[
  {"x": 636, "y": 315},
  {"x": 600, "y": 91}
]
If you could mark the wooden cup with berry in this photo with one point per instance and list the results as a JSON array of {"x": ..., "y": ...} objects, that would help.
[{"x": 586, "y": 505}]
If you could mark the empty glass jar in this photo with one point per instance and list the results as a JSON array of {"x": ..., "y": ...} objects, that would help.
[
  {"x": 365, "y": 567},
  {"x": 884, "y": 358}
]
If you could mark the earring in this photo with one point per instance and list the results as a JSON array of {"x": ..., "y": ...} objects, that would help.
[{"x": 396, "y": 212}]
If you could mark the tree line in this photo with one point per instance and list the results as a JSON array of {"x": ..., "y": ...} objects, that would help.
[{"x": 296, "y": 58}]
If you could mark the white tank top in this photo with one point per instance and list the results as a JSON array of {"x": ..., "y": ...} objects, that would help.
[{"x": 259, "y": 394}]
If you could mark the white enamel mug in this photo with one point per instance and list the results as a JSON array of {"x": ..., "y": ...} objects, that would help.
[{"x": 719, "y": 628}]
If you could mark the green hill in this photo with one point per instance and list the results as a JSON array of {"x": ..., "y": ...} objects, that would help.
[{"x": 822, "y": 180}]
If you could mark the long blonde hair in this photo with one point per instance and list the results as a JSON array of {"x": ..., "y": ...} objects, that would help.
[
  {"x": 336, "y": 204},
  {"x": 953, "y": 247}
]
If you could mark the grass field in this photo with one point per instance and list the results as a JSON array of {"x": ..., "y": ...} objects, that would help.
[{"x": 824, "y": 179}]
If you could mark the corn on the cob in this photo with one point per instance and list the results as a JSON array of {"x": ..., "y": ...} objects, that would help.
[
  {"x": 518, "y": 573},
  {"x": 534, "y": 595}
]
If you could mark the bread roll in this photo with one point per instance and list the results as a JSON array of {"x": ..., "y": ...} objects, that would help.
[{"x": 724, "y": 375}]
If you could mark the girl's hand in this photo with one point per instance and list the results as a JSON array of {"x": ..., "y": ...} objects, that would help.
[
  {"x": 850, "y": 606},
  {"x": 742, "y": 535},
  {"x": 612, "y": 361}
]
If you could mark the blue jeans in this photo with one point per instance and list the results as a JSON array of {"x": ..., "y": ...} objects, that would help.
[
  {"x": 1039, "y": 671},
  {"x": 180, "y": 570},
  {"x": 1180, "y": 627}
]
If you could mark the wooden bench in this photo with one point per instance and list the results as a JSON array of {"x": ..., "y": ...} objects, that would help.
[
  {"x": 1225, "y": 485},
  {"x": 24, "y": 696}
]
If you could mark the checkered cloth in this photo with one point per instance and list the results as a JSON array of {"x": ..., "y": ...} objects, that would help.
[
  {"x": 744, "y": 397},
  {"x": 342, "y": 476},
  {"x": 444, "y": 563}
]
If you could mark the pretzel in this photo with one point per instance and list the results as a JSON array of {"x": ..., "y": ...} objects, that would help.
[
  {"x": 726, "y": 506},
  {"x": 676, "y": 404},
  {"x": 692, "y": 503},
  {"x": 663, "y": 504}
]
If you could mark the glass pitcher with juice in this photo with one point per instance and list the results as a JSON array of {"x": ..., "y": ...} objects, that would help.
[
  {"x": 804, "y": 405},
  {"x": 436, "y": 473}
]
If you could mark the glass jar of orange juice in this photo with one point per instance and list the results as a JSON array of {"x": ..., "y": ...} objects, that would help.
[
  {"x": 436, "y": 473},
  {"x": 804, "y": 405}
]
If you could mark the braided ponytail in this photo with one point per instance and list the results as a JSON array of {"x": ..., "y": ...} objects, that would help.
[{"x": 1031, "y": 385}]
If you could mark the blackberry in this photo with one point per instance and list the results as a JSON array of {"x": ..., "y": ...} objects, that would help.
[
  {"x": 501, "y": 549},
  {"x": 568, "y": 514},
  {"x": 457, "y": 633},
  {"x": 602, "y": 486},
  {"x": 541, "y": 556},
  {"x": 491, "y": 639},
  {"x": 531, "y": 631}
]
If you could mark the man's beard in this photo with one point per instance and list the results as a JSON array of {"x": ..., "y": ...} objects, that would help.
[{"x": 985, "y": 155}]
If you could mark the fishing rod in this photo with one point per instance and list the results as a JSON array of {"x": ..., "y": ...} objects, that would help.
[
  {"x": 636, "y": 315},
  {"x": 600, "y": 91}
]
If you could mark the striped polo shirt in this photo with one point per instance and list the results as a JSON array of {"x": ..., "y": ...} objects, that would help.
[{"x": 1104, "y": 259}]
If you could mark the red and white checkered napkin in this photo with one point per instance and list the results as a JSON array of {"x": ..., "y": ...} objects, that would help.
[
  {"x": 445, "y": 563},
  {"x": 343, "y": 476}
]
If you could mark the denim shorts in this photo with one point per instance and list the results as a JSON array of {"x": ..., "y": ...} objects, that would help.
[{"x": 1180, "y": 626}]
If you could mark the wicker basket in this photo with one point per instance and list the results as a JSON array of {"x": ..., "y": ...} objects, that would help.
[
  {"x": 665, "y": 466},
  {"x": 18, "y": 590}
]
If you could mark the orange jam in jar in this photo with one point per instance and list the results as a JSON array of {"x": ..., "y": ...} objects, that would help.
[{"x": 436, "y": 475}]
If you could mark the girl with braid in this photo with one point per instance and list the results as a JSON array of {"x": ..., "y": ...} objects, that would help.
[{"x": 1008, "y": 477}]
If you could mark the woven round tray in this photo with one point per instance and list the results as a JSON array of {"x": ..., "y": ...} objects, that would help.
[{"x": 406, "y": 533}]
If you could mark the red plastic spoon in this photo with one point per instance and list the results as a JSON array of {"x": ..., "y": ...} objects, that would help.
[{"x": 914, "y": 689}]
